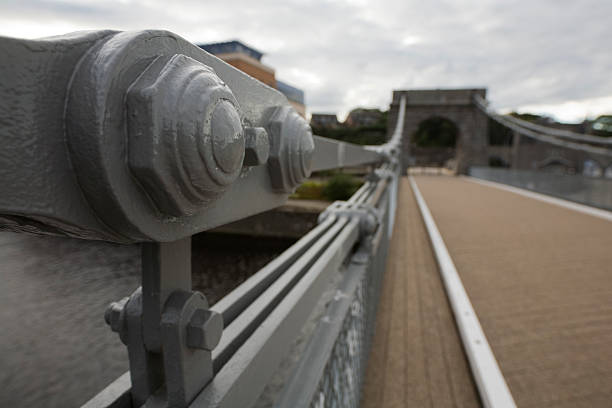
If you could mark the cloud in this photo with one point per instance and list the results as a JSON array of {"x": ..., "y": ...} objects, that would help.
[
  {"x": 573, "y": 110},
  {"x": 355, "y": 52}
]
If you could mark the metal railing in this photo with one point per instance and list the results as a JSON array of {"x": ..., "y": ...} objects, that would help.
[
  {"x": 144, "y": 137},
  {"x": 595, "y": 192}
]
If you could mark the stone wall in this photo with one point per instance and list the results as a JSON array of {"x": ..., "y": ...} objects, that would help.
[{"x": 455, "y": 105}]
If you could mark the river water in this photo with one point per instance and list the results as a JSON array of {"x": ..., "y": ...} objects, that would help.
[{"x": 55, "y": 349}]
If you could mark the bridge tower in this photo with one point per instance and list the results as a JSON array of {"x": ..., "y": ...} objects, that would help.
[{"x": 456, "y": 105}]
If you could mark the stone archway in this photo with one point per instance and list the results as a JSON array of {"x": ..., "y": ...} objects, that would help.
[
  {"x": 434, "y": 142},
  {"x": 456, "y": 105},
  {"x": 556, "y": 164}
]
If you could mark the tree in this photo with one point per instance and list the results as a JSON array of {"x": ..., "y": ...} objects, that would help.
[
  {"x": 602, "y": 126},
  {"x": 499, "y": 135},
  {"x": 436, "y": 132},
  {"x": 375, "y": 134}
]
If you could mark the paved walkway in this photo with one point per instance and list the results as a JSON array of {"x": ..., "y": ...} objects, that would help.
[
  {"x": 417, "y": 359},
  {"x": 540, "y": 279}
]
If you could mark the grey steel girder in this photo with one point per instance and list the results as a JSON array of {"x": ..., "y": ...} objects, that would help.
[
  {"x": 139, "y": 136},
  {"x": 333, "y": 154}
]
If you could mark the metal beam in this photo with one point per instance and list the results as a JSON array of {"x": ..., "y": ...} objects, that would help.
[
  {"x": 139, "y": 136},
  {"x": 334, "y": 154}
]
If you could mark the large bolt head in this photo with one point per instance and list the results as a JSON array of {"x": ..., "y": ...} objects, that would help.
[
  {"x": 227, "y": 137},
  {"x": 186, "y": 141},
  {"x": 257, "y": 148},
  {"x": 369, "y": 223},
  {"x": 115, "y": 318},
  {"x": 291, "y": 151},
  {"x": 204, "y": 330}
]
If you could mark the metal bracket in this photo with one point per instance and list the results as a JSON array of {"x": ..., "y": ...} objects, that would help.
[
  {"x": 168, "y": 328},
  {"x": 380, "y": 174},
  {"x": 369, "y": 217},
  {"x": 388, "y": 152},
  {"x": 189, "y": 333}
]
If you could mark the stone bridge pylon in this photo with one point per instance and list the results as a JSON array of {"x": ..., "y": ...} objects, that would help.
[{"x": 455, "y": 105}]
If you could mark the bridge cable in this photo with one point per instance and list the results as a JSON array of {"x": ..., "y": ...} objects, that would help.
[{"x": 551, "y": 136}]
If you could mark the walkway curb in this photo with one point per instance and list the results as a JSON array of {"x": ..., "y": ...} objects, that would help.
[{"x": 492, "y": 386}]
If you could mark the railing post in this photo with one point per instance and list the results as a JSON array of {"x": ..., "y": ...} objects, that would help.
[
  {"x": 516, "y": 147},
  {"x": 168, "y": 328}
]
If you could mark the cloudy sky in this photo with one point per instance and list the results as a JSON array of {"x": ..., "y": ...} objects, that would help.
[{"x": 543, "y": 56}]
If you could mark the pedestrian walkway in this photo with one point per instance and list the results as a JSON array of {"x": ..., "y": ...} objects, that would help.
[
  {"x": 540, "y": 279},
  {"x": 417, "y": 359}
]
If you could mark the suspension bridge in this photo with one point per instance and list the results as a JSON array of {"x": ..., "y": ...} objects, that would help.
[{"x": 420, "y": 290}]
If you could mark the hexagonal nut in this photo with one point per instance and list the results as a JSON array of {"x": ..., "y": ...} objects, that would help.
[
  {"x": 186, "y": 141},
  {"x": 115, "y": 317},
  {"x": 291, "y": 150},
  {"x": 204, "y": 330},
  {"x": 257, "y": 148},
  {"x": 381, "y": 174},
  {"x": 369, "y": 222}
]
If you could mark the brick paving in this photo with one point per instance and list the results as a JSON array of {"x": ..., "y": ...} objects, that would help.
[
  {"x": 417, "y": 359},
  {"x": 540, "y": 279}
]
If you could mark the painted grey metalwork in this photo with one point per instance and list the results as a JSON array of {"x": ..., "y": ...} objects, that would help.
[
  {"x": 333, "y": 154},
  {"x": 138, "y": 136},
  {"x": 595, "y": 192},
  {"x": 344, "y": 370},
  {"x": 331, "y": 370},
  {"x": 330, "y": 373},
  {"x": 168, "y": 328},
  {"x": 143, "y": 137}
]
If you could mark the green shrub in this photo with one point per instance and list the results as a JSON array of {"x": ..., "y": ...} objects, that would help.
[
  {"x": 310, "y": 190},
  {"x": 340, "y": 187}
]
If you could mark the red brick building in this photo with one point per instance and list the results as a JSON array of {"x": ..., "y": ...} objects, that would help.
[{"x": 248, "y": 60}]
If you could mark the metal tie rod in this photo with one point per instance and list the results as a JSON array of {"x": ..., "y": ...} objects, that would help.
[
  {"x": 236, "y": 333},
  {"x": 234, "y": 303},
  {"x": 245, "y": 375}
]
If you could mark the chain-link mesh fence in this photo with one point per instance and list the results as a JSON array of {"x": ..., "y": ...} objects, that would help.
[
  {"x": 343, "y": 376},
  {"x": 342, "y": 379}
]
